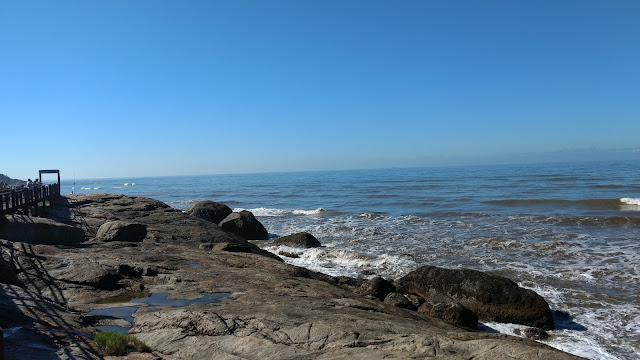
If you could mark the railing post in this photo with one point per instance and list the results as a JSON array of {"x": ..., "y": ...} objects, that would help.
[{"x": 36, "y": 198}]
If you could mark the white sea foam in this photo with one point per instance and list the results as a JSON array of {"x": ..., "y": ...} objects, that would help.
[
  {"x": 85, "y": 188},
  {"x": 281, "y": 212},
  {"x": 630, "y": 201},
  {"x": 182, "y": 204},
  {"x": 569, "y": 341},
  {"x": 317, "y": 211},
  {"x": 337, "y": 262},
  {"x": 371, "y": 216},
  {"x": 630, "y": 204}
]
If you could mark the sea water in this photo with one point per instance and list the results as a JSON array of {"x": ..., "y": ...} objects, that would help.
[{"x": 570, "y": 232}]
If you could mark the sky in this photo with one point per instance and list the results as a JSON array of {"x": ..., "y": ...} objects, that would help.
[{"x": 150, "y": 88}]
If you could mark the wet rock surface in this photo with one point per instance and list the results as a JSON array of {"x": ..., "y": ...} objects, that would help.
[
  {"x": 301, "y": 240},
  {"x": 271, "y": 310},
  {"x": 492, "y": 298}
]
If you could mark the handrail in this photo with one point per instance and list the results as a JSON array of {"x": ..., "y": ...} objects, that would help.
[{"x": 25, "y": 198}]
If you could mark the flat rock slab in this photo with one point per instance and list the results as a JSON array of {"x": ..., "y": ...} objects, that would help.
[{"x": 36, "y": 230}]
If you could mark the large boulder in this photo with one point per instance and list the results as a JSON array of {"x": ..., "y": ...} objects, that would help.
[
  {"x": 35, "y": 230},
  {"x": 301, "y": 240},
  {"x": 121, "y": 231},
  {"x": 492, "y": 298},
  {"x": 210, "y": 211},
  {"x": 245, "y": 225}
]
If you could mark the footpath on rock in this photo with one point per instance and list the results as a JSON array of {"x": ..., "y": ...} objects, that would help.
[{"x": 191, "y": 289}]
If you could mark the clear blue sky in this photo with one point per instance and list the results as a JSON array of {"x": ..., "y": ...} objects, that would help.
[{"x": 137, "y": 88}]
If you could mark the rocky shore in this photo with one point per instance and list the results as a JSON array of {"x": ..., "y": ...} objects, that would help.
[{"x": 213, "y": 294}]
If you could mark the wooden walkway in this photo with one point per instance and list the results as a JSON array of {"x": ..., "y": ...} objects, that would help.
[{"x": 23, "y": 198}]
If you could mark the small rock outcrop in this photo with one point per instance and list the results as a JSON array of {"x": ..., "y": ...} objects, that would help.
[
  {"x": 492, "y": 298},
  {"x": 445, "y": 308},
  {"x": 399, "y": 300},
  {"x": 301, "y": 240},
  {"x": 121, "y": 231},
  {"x": 245, "y": 225},
  {"x": 532, "y": 333},
  {"x": 377, "y": 287},
  {"x": 35, "y": 230},
  {"x": 210, "y": 210}
]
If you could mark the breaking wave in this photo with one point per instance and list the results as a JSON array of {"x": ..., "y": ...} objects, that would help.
[
  {"x": 283, "y": 212},
  {"x": 340, "y": 262}
]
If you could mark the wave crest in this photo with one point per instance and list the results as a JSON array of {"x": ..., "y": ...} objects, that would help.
[
  {"x": 630, "y": 201},
  {"x": 283, "y": 212}
]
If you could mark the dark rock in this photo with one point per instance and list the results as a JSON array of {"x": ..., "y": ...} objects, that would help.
[
  {"x": 445, "y": 308},
  {"x": 301, "y": 240},
  {"x": 210, "y": 210},
  {"x": 130, "y": 271},
  {"x": 492, "y": 298},
  {"x": 399, "y": 300},
  {"x": 121, "y": 231},
  {"x": 34, "y": 230},
  {"x": 377, "y": 287},
  {"x": 345, "y": 280},
  {"x": 245, "y": 225},
  {"x": 532, "y": 333},
  {"x": 289, "y": 254},
  {"x": 415, "y": 299},
  {"x": 7, "y": 268},
  {"x": 245, "y": 247}
]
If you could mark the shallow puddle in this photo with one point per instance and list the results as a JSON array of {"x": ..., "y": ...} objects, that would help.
[
  {"x": 126, "y": 297},
  {"x": 160, "y": 299},
  {"x": 122, "y": 312},
  {"x": 151, "y": 299}
]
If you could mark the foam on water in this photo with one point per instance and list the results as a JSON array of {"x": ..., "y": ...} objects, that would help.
[
  {"x": 572, "y": 270},
  {"x": 182, "y": 204},
  {"x": 337, "y": 262},
  {"x": 282, "y": 212},
  {"x": 630, "y": 201}
]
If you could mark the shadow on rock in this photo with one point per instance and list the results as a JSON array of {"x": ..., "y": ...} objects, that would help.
[
  {"x": 564, "y": 321},
  {"x": 33, "y": 310}
]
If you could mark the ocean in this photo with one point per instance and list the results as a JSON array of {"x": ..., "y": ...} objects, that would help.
[{"x": 570, "y": 231}]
